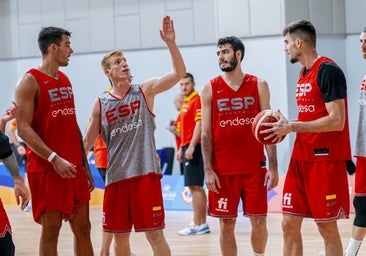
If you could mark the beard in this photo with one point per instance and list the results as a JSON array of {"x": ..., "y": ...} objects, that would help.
[
  {"x": 232, "y": 65},
  {"x": 293, "y": 60},
  {"x": 295, "y": 57}
]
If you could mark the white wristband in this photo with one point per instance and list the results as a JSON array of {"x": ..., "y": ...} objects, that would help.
[{"x": 51, "y": 157}]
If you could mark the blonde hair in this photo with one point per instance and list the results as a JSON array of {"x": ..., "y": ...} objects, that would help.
[{"x": 105, "y": 61}]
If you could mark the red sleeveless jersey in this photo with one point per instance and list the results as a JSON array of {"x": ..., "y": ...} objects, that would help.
[
  {"x": 54, "y": 120},
  {"x": 321, "y": 146},
  {"x": 235, "y": 150}
]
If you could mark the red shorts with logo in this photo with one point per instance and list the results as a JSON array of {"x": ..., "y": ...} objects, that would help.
[
  {"x": 360, "y": 176},
  {"x": 249, "y": 188},
  {"x": 135, "y": 202},
  {"x": 51, "y": 192},
  {"x": 4, "y": 221},
  {"x": 316, "y": 189}
]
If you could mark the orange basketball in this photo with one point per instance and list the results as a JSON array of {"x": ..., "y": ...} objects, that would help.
[{"x": 265, "y": 116}]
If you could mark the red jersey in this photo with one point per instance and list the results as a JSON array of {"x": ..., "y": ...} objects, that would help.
[
  {"x": 54, "y": 120},
  {"x": 321, "y": 146},
  {"x": 235, "y": 149},
  {"x": 190, "y": 112}
]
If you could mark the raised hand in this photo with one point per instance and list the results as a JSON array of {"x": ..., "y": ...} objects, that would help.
[
  {"x": 167, "y": 32},
  {"x": 9, "y": 113}
]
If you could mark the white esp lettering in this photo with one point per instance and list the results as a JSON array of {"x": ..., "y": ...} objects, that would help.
[
  {"x": 228, "y": 104},
  {"x": 236, "y": 122},
  {"x": 63, "y": 112}
]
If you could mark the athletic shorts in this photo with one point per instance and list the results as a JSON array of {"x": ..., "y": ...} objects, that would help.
[
  {"x": 135, "y": 202},
  {"x": 51, "y": 192},
  {"x": 249, "y": 188},
  {"x": 4, "y": 221},
  {"x": 316, "y": 189},
  {"x": 7, "y": 247},
  {"x": 360, "y": 176},
  {"x": 193, "y": 169}
]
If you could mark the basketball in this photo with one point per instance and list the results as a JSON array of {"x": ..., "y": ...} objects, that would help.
[{"x": 265, "y": 116}]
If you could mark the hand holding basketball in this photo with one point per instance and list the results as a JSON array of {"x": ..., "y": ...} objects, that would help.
[{"x": 263, "y": 117}]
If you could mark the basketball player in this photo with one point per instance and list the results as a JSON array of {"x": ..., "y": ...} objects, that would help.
[
  {"x": 234, "y": 161},
  {"x": 58, "y": 172},
  {"x": 191, "y": 155},
  {"x": 316, "y": 183},
  {"x": 7, "y": 156},
  {"x": 124, "y": 117},
  {"x": 359, "y": 201}
]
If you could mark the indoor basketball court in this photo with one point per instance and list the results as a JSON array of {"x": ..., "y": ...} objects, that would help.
[{"x": 26, "y": 235}]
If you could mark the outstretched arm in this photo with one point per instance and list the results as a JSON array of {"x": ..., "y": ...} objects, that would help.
[{"x": 157, "y": 85}]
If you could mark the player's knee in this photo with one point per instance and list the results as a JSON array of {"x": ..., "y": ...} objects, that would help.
[
  {"x": 258, "y": 223},
  {"x": 288, "y": 227},
  {"x": 154, "y": 236},
  {"x": 82, "y": 229},
  {"x": 359, "y": 204},
  {"x": 328, "y": 230},
  {"x": 227, "y": 226}
]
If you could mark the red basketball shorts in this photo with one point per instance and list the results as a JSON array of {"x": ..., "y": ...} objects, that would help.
[
  {"x": 249, "y": 188},
  {"x": 135, "y": 202},
  {"x": 316, "y": 189}
]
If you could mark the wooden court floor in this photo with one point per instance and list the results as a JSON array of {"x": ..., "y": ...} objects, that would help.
[{"x": 26, "y": 236}]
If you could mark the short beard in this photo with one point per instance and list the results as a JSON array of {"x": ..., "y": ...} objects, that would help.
[
  {"x": 293, "y": 60},
  {"x": 233, "y": 63}
]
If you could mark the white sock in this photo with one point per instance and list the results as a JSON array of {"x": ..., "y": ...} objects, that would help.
[
  {"x": 258, "y": 254},
  {"x": 353, "y": 247}
]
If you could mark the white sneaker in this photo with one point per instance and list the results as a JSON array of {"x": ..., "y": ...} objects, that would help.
[
  {"x": 193, "y": 229},
  {"x": 28, "y": 207}
]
